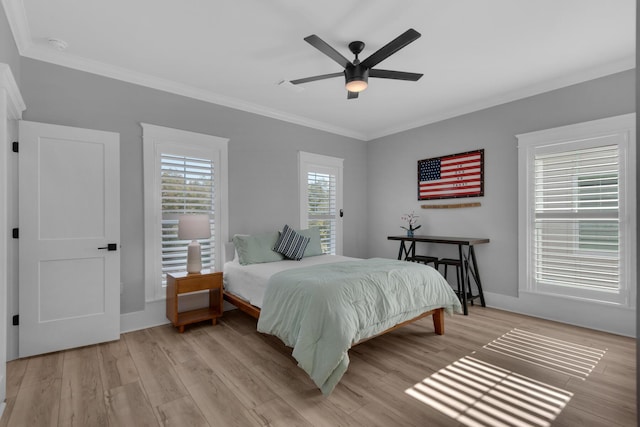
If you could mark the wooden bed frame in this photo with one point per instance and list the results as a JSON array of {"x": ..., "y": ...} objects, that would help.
[{"x": 253, "y": 311}]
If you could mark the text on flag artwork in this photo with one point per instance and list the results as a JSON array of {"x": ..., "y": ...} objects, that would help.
[{"x": 453, "y": 176}]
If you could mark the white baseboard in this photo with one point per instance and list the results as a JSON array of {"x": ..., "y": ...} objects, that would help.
[
  {"x": 154, "y": 314},
  {"x": 2, "y": 406},
  {"x": 601, "y": 317}
]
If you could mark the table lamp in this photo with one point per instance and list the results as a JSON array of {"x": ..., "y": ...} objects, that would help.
[{"x": 193, "y": 227}]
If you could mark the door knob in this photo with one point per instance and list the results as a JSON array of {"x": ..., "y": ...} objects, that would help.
[{"x": 110, "y": 247}]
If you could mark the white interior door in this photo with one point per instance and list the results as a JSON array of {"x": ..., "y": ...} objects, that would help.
[{"x": 69, "y": 258}]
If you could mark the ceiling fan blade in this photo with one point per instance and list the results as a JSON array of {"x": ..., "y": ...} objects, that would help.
[
  {"x": 398, "y": 75},
  {"x": 323, "y": 47},
  {"x": 352, "y": 95},
  {"x": 390, "y": 48},
  {"x": 314, "y": 78}
]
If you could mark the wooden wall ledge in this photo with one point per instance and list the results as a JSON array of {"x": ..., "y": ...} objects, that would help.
[{"x": 452, "y": 205}]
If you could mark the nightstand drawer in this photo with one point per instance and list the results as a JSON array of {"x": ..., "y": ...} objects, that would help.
[{"x": 200, "y": 282}]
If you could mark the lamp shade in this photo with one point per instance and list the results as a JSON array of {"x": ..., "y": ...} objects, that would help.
[{"x": 194, "y": 226}]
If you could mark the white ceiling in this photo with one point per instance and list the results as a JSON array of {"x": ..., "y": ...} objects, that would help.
[{"x": 473, "y": 53}]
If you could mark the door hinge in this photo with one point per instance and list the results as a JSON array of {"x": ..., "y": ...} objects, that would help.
[
  {"x": 14, "y": 146},
  {"x": 15, "y": 233},
  {"x": 16, "y": 320}
]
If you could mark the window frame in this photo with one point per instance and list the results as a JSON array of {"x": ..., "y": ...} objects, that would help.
[
  {"x": 155, "y": 141},
  {"x": 619, "y": 130},
  {"x": 318, "y": 163}
]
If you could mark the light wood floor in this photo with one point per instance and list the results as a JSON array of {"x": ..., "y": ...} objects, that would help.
[{"x": 230, "y": 375}]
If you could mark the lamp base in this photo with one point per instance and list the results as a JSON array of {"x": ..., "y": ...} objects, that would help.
[{"x": 194, "y": 260}]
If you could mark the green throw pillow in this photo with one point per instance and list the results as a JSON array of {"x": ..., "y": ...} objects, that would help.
[
  {"x": 257, "y": 248},
  {"x": 314, "y": 247}
]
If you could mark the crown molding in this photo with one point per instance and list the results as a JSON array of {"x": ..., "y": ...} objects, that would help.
[
  {"x": 581, "y": 76},
  {"x": 43, "y": 53},
  {"x": 17, "y": 17},
  {"x": 15, "y": 103}
]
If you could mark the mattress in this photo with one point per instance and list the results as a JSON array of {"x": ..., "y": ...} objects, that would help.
[{"x": 249, "y": 281}]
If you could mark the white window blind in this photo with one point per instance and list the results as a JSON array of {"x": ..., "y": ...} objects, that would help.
[
  {"x": 187, "y": 187},
  {"x": 321, "y": 212},
  {"x": 577, "y": 220},
  {"x": 576, "y": 215},
  {"x": 321, "y": 198}
]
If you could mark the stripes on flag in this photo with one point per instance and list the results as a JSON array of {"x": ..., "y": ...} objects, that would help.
[{"x": 447, "y": 177}]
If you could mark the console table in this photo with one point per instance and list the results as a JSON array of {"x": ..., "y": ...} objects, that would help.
[{"x": 467, "y": 258}]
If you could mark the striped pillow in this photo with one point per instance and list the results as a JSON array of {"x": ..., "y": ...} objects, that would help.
[{"x": 291, "y": 244}]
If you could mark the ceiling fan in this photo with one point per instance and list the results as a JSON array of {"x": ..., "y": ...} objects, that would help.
[{"x": 357, "y": 73}]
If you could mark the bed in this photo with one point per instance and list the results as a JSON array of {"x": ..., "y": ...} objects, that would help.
[{"x": 322, "y": 305}]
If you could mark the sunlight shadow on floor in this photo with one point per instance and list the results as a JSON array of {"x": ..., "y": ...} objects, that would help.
[
  {"x": 476, "y": 393},
  {"x": 550, "y": 353}
]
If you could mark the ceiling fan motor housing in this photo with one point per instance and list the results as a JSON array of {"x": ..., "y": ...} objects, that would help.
[{"x": 356, "y": 72}]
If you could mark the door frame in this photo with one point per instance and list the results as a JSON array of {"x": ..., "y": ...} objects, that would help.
[{"x": 11, "y": 107}]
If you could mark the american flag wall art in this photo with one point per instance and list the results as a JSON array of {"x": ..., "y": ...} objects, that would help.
[{"x": 453, "y": 176}]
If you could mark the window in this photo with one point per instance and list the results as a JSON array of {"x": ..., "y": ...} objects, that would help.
[
  {"x": 184, "y": 172},
  {"x": 321, "y": 198},
  {"x": 577, "y": 218},
  {"x": 186, "y": 187}
]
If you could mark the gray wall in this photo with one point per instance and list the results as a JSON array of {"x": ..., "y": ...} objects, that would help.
[
  {"x": 263, "y": 171},
  {"x": 392, "y": 171}
]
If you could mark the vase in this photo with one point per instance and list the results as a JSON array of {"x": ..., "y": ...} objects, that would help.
[{"x": 409, "y": 233}]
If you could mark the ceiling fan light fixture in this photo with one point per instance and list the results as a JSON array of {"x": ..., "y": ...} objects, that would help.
[{"x": 356, "y": 85}]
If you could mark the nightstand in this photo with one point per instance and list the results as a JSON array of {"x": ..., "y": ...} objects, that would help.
[{"x": 183, "y": 283}]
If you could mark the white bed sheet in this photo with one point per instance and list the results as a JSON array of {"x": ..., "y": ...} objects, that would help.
[{"x": 249, "y": 281}]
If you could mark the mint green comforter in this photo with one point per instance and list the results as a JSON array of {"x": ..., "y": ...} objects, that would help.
[{"x": 322, "y": 310}]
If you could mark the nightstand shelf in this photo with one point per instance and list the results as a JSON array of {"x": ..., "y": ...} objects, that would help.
[{"x": 183, "y": 283}]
